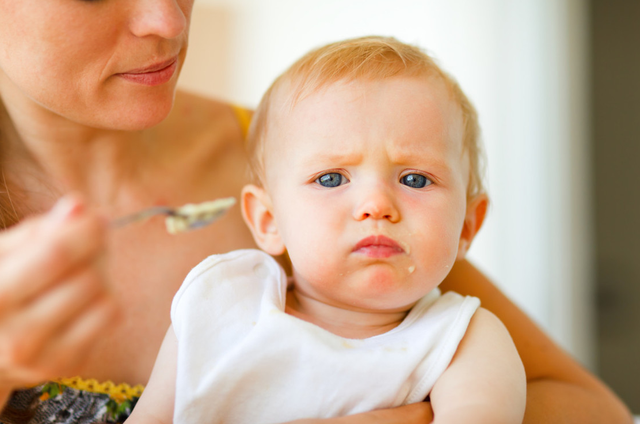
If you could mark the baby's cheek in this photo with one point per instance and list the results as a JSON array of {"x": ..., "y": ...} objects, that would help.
[
  {"x": 311, "y": 259},
  {"x": 436, "y": 254}
]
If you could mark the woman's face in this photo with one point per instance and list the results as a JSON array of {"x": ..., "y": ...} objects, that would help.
[{"x": 103, "y": 63}]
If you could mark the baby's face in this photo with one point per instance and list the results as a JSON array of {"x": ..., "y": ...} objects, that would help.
[{"x": 368, "y": 187}]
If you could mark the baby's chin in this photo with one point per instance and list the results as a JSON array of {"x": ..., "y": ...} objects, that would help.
[{"x": 382, "y": 288}]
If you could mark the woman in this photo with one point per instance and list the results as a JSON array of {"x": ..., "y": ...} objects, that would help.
[{"x": 89, "y": 108}]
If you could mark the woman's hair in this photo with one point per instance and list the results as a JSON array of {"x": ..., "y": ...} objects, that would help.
[
  {"x": 368, "y": 58},
  {"x": 8, "y": 209}
]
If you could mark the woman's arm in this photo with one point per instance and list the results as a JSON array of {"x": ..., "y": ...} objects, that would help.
[
  {"x": 416, "y": 413},
  {"x": 559, "y": 390}
]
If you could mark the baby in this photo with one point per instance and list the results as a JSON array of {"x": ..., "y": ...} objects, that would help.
[{"x": 366, "y": 162}]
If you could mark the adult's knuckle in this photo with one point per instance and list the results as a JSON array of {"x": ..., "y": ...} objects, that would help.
[
  {"x": 58, "y": 254},
  {"x": 12, "y": 282},
  {"x": 92, "y": 285},
  {"x": 94, "y": 229},
  {"x": 110, "y": 313},
  {"x": 5, "y": 299}
]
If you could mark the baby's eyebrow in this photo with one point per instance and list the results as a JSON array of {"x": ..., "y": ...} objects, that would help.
[
  {"x": 420, "y": 160},
  {"x": 340, "y": 158},
  {"x": 411, "y": 157}
]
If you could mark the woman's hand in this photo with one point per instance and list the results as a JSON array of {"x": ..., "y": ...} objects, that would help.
[
  {"x": 53, "y": 299},
  {"x": 416, "y": 413}
]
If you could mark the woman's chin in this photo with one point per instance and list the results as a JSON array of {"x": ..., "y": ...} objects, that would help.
[
  {"x": 141, "y": 121},
  {"x": 129, "y": 107},
  {"x": 132, "y": 117}
]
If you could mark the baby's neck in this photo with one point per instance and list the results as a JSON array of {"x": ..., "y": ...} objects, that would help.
[{"x": 352, "y": 324}]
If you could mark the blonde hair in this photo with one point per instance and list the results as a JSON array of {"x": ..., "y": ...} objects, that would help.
[
  {"x": 367, "y": 58},
  {"x": 10, "y": 211}
]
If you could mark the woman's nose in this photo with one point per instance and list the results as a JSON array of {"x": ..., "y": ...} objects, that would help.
[
  {"x": 162, "y": 18},
  {"x": 377, "y": 203}
]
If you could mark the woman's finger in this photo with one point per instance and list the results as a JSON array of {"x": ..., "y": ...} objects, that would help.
[
  {"x": 28, "y": 331},
  {"x": 65, "y": 208},
  {"x": 51, "y": 250},
  {"x": 65, "y": 355}
]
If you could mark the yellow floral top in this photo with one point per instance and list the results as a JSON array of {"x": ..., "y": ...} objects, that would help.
[
  {"x": 72, "y": 401},
  {"x": 118, "y": 392}
]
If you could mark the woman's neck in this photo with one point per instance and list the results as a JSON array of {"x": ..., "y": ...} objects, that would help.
[
  {"x": 46, "y": 155},
  {"x": 344, "y": 322}
]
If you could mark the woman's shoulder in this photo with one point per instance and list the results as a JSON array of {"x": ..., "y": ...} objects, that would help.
[
  {"x": 200, "y": 114},
  {"x": 204, "y": 142},
  {"x": 199, "y": 105},
  {"x": 203, "y": 128}
]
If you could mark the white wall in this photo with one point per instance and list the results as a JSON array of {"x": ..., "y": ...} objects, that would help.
[{"x": 523, "y": 65}]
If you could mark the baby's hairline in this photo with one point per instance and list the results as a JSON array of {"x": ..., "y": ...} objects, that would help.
[
  {"x": 285, "y": 106},
  {"x": 371, "y": 58}
]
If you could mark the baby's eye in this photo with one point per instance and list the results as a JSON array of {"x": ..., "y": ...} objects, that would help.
[
  {"x": 415, "y": 181},
  {"x": 332, "y": 179}
]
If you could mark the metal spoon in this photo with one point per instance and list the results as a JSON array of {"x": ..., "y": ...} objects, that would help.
[{"x": 184, "y": 218}]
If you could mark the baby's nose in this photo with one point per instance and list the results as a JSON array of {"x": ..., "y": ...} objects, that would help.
[{"x": 377, "y": 203}]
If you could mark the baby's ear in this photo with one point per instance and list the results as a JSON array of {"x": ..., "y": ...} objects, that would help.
[
  {"x": 257, "y": 213},
  {"x": 476, "y": 212}
]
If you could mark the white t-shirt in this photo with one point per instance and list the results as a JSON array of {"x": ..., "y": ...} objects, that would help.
[{"x": 241, "y": 359}]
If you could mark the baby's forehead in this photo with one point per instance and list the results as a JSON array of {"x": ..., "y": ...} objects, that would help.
[
  {"x": 373, "y": 59},
  {"x": 410, "y": 106},
  {"x": 335, "y": 128}
]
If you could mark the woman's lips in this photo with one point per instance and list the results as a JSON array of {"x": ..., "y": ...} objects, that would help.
[
  {"x": 378, "y": 247},
  {"x": 152, "y": 75}
]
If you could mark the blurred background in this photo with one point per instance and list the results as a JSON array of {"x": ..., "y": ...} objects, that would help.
[{"x": 557, "y": 86}]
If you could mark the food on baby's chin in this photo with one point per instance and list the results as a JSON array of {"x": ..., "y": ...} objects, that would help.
[{"x": 192, "y": 216}]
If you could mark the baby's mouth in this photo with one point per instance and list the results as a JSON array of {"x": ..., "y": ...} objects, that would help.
[{"x": 378, "y": 246}]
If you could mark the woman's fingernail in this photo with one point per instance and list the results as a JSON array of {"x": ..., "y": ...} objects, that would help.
[{"x": 65, "y": 208}]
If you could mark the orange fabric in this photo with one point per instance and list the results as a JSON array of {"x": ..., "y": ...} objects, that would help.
[{"x": 244, "y": 118}]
